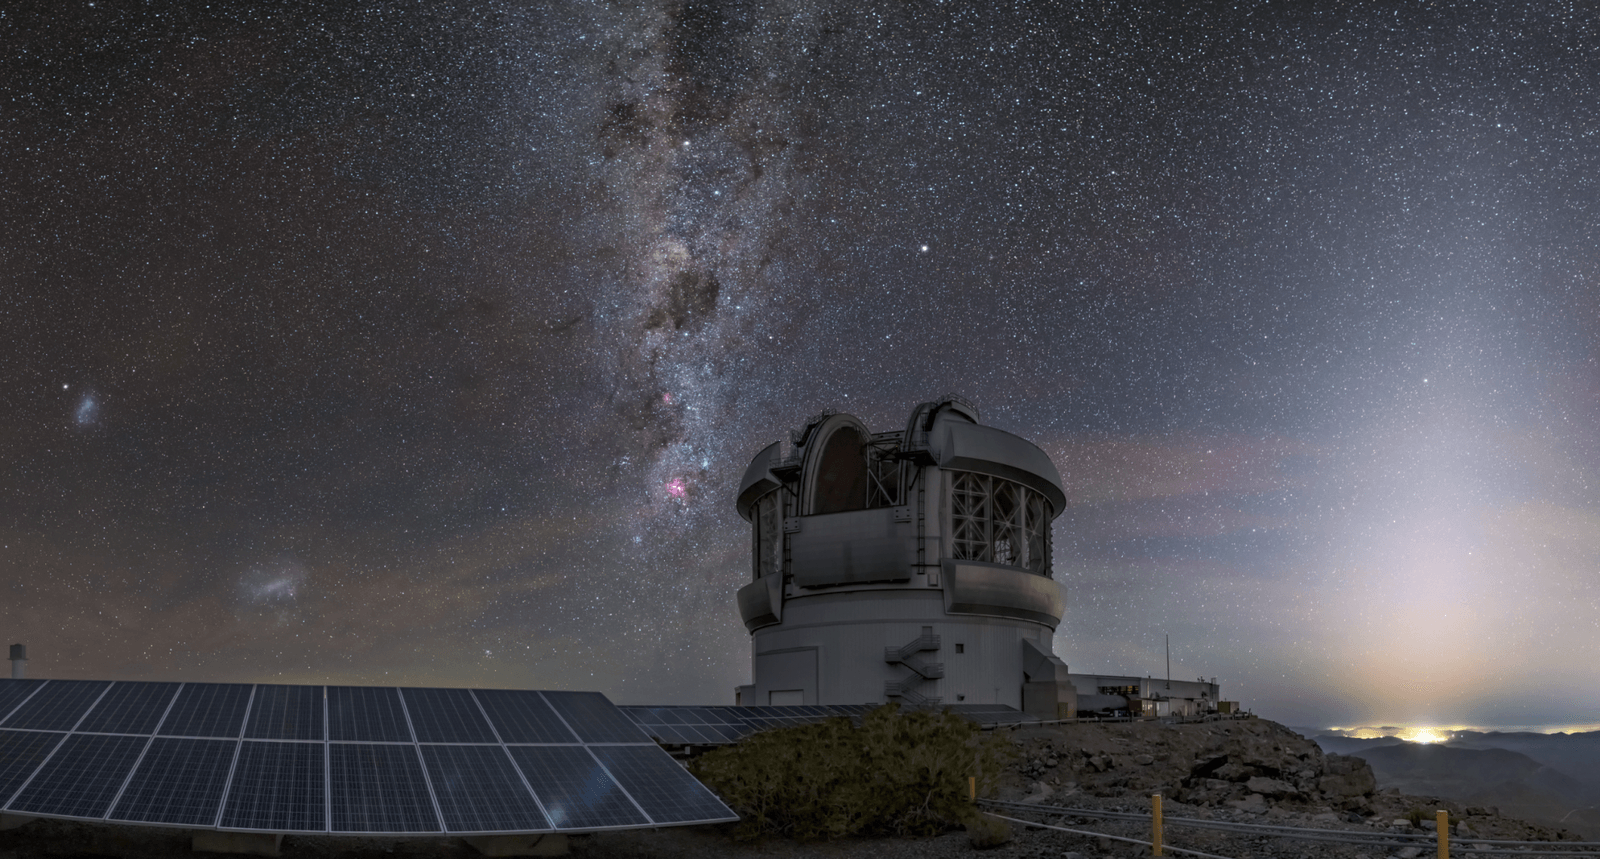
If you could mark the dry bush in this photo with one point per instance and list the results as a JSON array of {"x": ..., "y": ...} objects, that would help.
[{"x": 896, "y": 774}]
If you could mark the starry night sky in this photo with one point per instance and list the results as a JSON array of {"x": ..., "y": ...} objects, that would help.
[{"x": 425, "y": 344}]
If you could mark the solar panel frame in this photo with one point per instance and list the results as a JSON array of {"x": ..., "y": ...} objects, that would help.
[
  {"x": 58, "y": 706},
  {"x": 288, "y": 712},
  {"x": 21, "y": 755},
  {"x": 15, "y": 693},
  {"x": 488, "y": 794},
  {"x": 379, "y": 787},
  {"x": 267, "y": 802},
  {"x": 520, "y": 716},
  {"x": 543, "y": 712},
  {"x": 146, "y": 750},
  {"x": 130, "y": 708},
  {"x": 179, "y": 782},
  {"x": 417, "y": 751},
  {"x": 372, "y": 714},
  {"x": 661, "y": 788},
  {"x": 209, "y": 710},
  {"x": 246, "y": 757},
  {"x": 593, "y": 718},
  {"x": 446, "y": 716},
  {"x": 557, "y": 774},
  {"x": 81, "y": 776}
]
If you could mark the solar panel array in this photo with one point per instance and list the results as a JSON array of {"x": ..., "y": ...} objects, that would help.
[
  {"x": 339, "y": 759},
  {"x": 722, "y": 725}
]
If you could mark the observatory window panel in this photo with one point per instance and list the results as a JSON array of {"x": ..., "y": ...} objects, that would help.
[
  {"x": 769, "y": 535},
  {"x": 1007, "y": 528},
  {"x": 1037, "y": 558},
  {"x": 998, "y": 521},
  {"x": 883, "y": 490},
  {"x": 969, "y": 513},
  {"x": 842, "y": 479}
]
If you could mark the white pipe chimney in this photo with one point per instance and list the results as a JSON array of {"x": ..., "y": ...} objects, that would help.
[{"x": 19, "y": 661}]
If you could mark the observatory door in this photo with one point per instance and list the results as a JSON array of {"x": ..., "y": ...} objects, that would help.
[{"x": 786, "y": 676}]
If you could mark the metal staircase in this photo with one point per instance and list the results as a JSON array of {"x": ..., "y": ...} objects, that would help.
[{"x": 906, "y": 689}]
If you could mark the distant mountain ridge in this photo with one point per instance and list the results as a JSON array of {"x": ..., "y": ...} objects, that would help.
[{"x": 1548, "y": 778}]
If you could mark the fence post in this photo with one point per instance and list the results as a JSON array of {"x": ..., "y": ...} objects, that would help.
[
  {"x": 1155, "y": 824},
  {"x": 972, "y": 788},
  {"x": 1442, "y": 824}
]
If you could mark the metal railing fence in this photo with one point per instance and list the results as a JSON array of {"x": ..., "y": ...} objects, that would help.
[{"x": 1437, "y": 839}]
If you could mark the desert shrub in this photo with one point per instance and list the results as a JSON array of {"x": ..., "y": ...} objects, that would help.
[{"x": 897, "y": 773}]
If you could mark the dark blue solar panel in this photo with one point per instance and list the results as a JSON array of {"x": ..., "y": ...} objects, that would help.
[
  {"x": 669, "y": 716},
  {"x": 595, "y": 719},
  {"x": 379, "y": 788},
  {"x": 82, "y": 777},
  {"x": 286, "y": 713},
  {"x": 446, "y": 716},
  {"x": 574, "y": 788},
  {"x": 21, "y": 752},
  {"x": 662, "y": 787},
  {"x": 58, "y": 706},
  {"x": 480, "y": 791},
  {"x": 178, "y": 781},
  {"x": 523, "y": 717},
  {"x": 366, "y": 713},
  {"x": 207, "y": 710},
  {"x": 277, "y": 786},
  {"x": 13, "y": 692},
  {"x": 129, "y": 708}
]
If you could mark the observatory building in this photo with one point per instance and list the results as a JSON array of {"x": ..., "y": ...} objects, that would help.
[{"x": 911, "y": 565}]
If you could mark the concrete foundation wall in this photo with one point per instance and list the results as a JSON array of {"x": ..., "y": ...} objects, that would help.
[{"x": 844, "y": 636}]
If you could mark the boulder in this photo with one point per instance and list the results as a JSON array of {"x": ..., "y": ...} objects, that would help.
[
  {"x": 1270, "y": 787},
  {"x": 1255, "y": 803},
  {"x": 1346, "y": 776},
  {"x": 1041, "y": 792}
]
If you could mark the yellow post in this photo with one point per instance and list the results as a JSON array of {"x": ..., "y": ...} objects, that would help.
[
  {"x": 1155, "y": 824},
  {"x": 972, "y": 788},
  {"x": 1442, "y": 824}
]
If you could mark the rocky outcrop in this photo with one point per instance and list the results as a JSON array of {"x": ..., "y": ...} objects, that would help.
[
  {"x": 1346, "y": 777},
  {"x": 1216, "y": 764}
]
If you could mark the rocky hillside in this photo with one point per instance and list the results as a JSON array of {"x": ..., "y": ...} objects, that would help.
[
  {"x": 1240, "y": 764},
  {"x": 1253, "y": 771}
]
